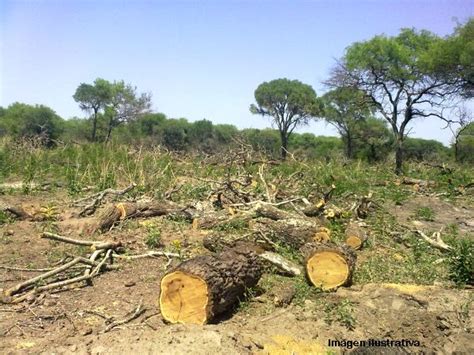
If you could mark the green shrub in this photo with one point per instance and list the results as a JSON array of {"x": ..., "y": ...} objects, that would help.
[{"x": 461, "y": 262}]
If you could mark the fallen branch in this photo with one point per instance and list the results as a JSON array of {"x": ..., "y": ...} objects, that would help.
[
  {"x": 18, "y": 212},
  {"x": 281, "y": 263},
  {"x": 95, "y": 245},
  {"x": 150, "y": 254},
  {"x": 98, "y": 197},
  {"x": 435, "y": 241},
  {"x": 137, "y": 313}
]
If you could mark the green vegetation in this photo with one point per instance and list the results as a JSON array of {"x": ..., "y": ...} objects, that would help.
[
  {"x": 461, "y": 262},
  {"x": 290, "y": 103},
  {"x": 342, "y": 312}
]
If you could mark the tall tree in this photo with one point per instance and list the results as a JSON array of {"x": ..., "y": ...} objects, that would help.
[
  {"x": 125, "y": 105},
  {"x": 290, "y": 103},
  {"x": 92, "y": 99},
  {"x": 345, "y": 108},
  {"x": 396, "y": 73}
]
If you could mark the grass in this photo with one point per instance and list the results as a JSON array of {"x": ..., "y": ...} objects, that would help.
[
  {"x": 425, "y": 214},
  {"x": 387, "y": 257}
]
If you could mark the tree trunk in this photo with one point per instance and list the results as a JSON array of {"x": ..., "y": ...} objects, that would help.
[
  {"x": 109, "y": 130},
  {"x": 349, "y": 146},
  {"x": 284, "y": 145},
  {"x": 399, "y": 156},
  {"x": 329, "y": 266},
  {"x": 94, "y": 126},
  {"x": 199, "y": 289}
]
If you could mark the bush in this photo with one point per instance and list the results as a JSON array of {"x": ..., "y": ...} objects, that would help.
[{"x": 461, "y": 262}]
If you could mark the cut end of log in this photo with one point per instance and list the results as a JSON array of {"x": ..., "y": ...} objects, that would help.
[
  {"x": 354, "y": 242},
  {"x": 184, "y": 298},
  {"x": 328, "y": 270},
  {"x": 323, "y": 235}
]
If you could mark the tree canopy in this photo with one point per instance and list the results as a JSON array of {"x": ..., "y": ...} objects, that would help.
[
  {"x": 289, "y": 102},
  {"x": 397, "y": 74}
]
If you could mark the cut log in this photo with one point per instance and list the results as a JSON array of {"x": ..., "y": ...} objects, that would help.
[
  {"x": 124, "y": 210},
  {"x": 329, "y": 266},
  {"x": 355, "y": 236},
  {"x": 292, "y": 232},
  {"x": 199, "y": 289}
]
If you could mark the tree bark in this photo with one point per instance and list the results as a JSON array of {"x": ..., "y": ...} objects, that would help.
[
  {"x": 94, "y": 125},
  {"x": 199, "y": 289},
  {"x": 120, "y": 211},
  {"x": 399, "y": 156},
  {"x": 284, "y": 145}
]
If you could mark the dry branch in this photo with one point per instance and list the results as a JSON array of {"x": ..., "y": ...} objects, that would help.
[
  {"x": 95, "y": 245},
  {"x": 139, "y": 310},
  {"x": 98, "y": 198},
  {"x": 435, "y": 240}
]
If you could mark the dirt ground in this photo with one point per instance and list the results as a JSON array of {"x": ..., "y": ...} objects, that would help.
[{"x": 75, "y": 320}]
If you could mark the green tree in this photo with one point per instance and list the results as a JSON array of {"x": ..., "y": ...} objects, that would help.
[
  {"x": 397, "y": 75},
  {"x": 125, "y": 106},
  {"x": 374, "y": 140},
  {"x": 465, "y": 144},
  {"x": 93, "y": 99},
  {"x": 26, "y": 121},
  {"x": 345, "y": 109},
  {"x": 290, "y": 103},
  {"x": 453, "y": 58},
  {"x": 175, "y": 134}
]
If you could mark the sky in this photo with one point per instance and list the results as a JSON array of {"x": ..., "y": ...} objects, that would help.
[{"x": 199, "y": 59}]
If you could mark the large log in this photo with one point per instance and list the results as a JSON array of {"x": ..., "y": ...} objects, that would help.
[
  {"x": 199, "y": 289},
  {"x": 124, "y": 210},
  {"x": 292, "y": 232},
  {"x": 328, "y": 266}
]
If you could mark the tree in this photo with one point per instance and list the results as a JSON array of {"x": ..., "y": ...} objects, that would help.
[
  {"x": 465, "y": 144},
  {"x": 290, "y": 103},
  {"x": 345, "y": 108},
  {"x": 374, "y": 140},
  {"x": 26, "y": 121},
  {"x": 453, "y": 58},
  {"x": 125, "y": 105},
  {"x": 94, "y": 98},
  {"x": 396, "y": 73}
]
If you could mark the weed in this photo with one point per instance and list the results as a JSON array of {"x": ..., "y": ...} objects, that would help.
[
  {"x": 461, "y": 262},
  {"x": 153, "y": 236},
  {"x": 425, "y": 214},
  {"x": 342, "y": 312}
]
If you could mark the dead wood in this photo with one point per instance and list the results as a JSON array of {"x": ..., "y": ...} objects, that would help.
[
  {"x": 97, "y": 199},
  {"x": 418, "y": 182},
  {"x": 435, "y": 240},
  {"x": 199, "y": 289},
  {"x": 18, "y": 212},
  {"x": 95, "y": 245},
  {"x": 355, "y": 236},
  {"x": 124, "y": 210},
  {"x": 139, "y": 310}
]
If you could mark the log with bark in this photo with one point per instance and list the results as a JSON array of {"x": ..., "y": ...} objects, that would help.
[
  {"x": 355, "y": 236},
  {"x": 124, "y": 210},
  {"x": 328, "y": 265},
  {"x": 199, "y": 289},
  {"x": 292, "y": 232}
]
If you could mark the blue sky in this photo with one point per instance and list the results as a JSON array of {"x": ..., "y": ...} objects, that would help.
[{"x": 199, "y": 59}]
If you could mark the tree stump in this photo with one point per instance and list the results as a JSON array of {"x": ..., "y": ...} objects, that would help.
[
  {"x": 355, "y": 236},
  {"x": 328, "y": 266},
  {"x": 199, "y": 289}
]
